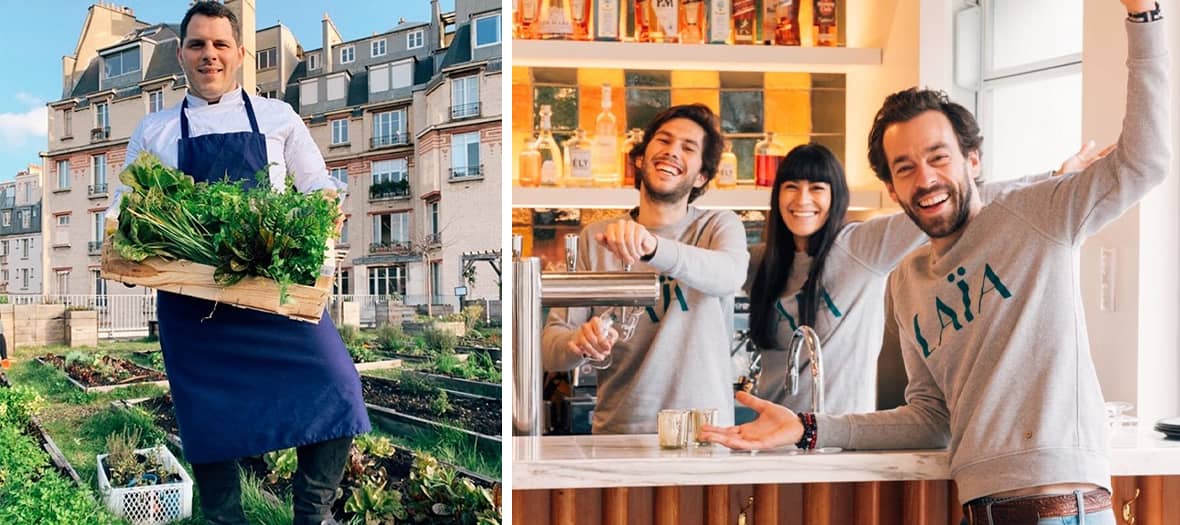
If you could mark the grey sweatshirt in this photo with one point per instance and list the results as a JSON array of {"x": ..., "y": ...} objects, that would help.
[
  {"x": 993, "y": 332},
  {"x": 850, "y": 321},
  {"x": 678, "y": 356}
]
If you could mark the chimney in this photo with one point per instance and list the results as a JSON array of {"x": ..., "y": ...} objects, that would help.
[
  {"x": 247, "y": 18},
  {"x": 436, "y": 29}
]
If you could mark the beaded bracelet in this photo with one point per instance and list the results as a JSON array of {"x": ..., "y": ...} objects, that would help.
[
  {"x": 807, "y": 442},
  {"x": 1146, "y": 16}
]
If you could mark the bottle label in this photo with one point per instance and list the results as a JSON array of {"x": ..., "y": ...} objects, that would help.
[
  {"x": 556, "y": 23},
  {"x": 719, "y": 21},
  {"x": 727, "y": 173},
  {"x": 580, "y": 164},
  {"x": 528, "y": 9},
  {"x": 578, "y": 8},
  {"x": 743, "y": 21},
  {"x": 666, "y": 18},
  {"x": 606, "y": 20},
  {"x": 549, "y": 173}
]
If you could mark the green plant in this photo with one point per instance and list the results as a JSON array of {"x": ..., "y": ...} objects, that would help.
[
  {"x": 349, "y": 334},
  {"x": 21, "y": 460},
  {"x": 373, "y": 504},
  {"x": 374, "y": 445},
  {"x": 282, "y": 464},
  {"x": 436, "y": 494},
  {"x": 17, "y": 406},
  {"x": 52, "y": 499},
  {"x": 156, "y": 360},
  {"x": 262, "y": 507},
  {"x": 361, "y": 353},
  {"x": 129, "y": 468},
  {"x": 441, "y": 404},
  {"x": 439, "y": 341},
  {"x": 472, "y": 315},
  {"x": 80, "y": 358},
  {"x": 390, "y": 338},
  {"x": 415, "y": 384}
]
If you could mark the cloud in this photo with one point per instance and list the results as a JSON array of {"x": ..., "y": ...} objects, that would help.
[
  {"x": 21, "y": 128},
  {"x": 29, "y": 99}
]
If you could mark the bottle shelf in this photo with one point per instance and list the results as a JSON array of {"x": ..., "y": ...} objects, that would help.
[
  {"x": 686, "y": 57},
  {"x": 741, "y": 198}
]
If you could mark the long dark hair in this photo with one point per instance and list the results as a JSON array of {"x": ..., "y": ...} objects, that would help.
[{"x": 813, "y": 163}]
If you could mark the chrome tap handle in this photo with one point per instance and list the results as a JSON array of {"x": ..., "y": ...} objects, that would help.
[
  {"x": 793, "y": 351},
  {"x": 571, "y": 252},
  {"x": 805, "y": 336},
  {"x": 517, "y": 246}
]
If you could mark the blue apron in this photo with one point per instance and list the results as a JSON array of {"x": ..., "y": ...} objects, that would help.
[{"x": 246, "y": 382}]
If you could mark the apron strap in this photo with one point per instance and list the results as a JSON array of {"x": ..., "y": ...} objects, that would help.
[{"x": 184, "y": 133}]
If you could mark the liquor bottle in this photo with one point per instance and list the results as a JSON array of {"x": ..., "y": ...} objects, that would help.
[
  {"x": 607, "y": 20},
  {"x": 767, "y": 156},
  {"x": 824, "y": 34},
  {"x": 530, "y": 165},
  {"x": 577, "y": 151},
  {"x": 667, "y": 18},
  {"x": 605, "y": 164},
  {"x": 644, "y": 19},
  {"x": 727, "y": 168},
  {"x": 525, "y": 19},
  {"x": 720, "y": 21},
  {"x": 786, "y": 28},
  {"x": 769, "y": 20},
  {"x": 551, "y": 172},
  {"x": 745, "y": 21},
  {"x": 692, "y": 21},
  {"x": 634, "y": 138},
  {"x": 580, "y": 18},
  {"x": 556, "y": 20}
]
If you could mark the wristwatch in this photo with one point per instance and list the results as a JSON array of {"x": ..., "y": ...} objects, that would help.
[{"x": 1146, "y": 16}]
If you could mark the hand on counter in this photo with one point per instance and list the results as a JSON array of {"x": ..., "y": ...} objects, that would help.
[
  {"x": 776, "y": 426},
  {"x": 628, "y": 240},
  {"x": 593, "y": 339}
]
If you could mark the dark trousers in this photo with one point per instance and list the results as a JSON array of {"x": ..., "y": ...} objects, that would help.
[{"x": 321, "y": 466}]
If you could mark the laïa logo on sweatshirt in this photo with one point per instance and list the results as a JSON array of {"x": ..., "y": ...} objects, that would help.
[
  {"x": 948, "y": 315},
  {"x": 668, "y": 288},
  {"x": 798, "y": 299}
]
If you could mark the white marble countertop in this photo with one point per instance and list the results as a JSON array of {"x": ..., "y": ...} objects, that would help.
[{"x": 637, "y": 460}]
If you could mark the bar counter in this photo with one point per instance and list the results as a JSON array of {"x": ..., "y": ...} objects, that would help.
[{"x": 628, "y": 479}]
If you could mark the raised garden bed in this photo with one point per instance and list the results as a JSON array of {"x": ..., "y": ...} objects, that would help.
[
  {"x": 160, "y": 408},
  {"x": 38, "y": 433},
  {"x": 402, "y": 409},
  {"x": 493, "y": 353},
  {"x": 460, "y": 385},
  {"x": 108, "y": 373}
]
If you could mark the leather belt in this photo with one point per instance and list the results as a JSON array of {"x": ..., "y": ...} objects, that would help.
[{"x": 1027, "y": 510}]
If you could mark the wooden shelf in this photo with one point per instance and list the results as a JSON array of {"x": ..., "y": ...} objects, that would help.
[
  {"x": 565, "y": 53},
  {"x": 742, "y": 198}
]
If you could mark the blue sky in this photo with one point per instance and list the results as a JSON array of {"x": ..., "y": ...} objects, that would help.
[{"x": 38, "y": 34}]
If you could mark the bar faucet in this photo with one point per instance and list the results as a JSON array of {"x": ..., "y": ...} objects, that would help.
[{"x": 805, "y": 336}]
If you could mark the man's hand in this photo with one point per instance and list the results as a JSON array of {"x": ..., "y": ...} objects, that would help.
[
  {"x": 628, "y": 240},
  {"x": 1083, "y": 158},
  {"x": 1139, "y": 6},
  {"x": 333, "y": 197},
  {"x": 593, "y": 340},
  {"x": 775, "y": 426}
]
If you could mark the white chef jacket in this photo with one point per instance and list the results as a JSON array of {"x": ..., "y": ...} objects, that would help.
[{"x": 289, "y": 146}]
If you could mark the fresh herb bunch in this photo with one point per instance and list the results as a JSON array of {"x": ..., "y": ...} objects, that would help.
[{"x": 280, "y": 235}]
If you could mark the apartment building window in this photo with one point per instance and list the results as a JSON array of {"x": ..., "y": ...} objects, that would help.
[
  {"x": 67, "y": 123},
  {"x": 340, "y": 131},
  {"x": 391, "y": 229},
  {"x": 102, "y": 120},
  {"x": 1025, "y": 86},
  {"x": 414, "y": 39},
  {"x": 340, "y": 174},
  {"x": 377, "y": 48},
  {"x": 309, "y": 92},
  {"x": 436, "y": 281},
  {"x": 61, "y": 236},
  {"x": 121, "y": 63},
  {"x": 385, "y": 77},
  {"x": 24, "y": 248},
  {"x": 387, "y": 280},
  {"x": 63, "y": 282},
  {"x": 97, "y": 220},
  {"x": 98, "y": 174},
  {"x": 347, "y": 54},
  {"x": 345, "y": 282},
  {"x": 487, "y": 31},
  {"x": 269, "y": 94},
  {"x": 434, "y": 225},
  {"x": 24, "y": 278},
  {"x": 28, "y": 192},
  {"x": 100, "y": 284},
  {"x": 465, "y": 97},
  {"x": 267, "y": 58},
  {"x": 344, "y": 232},
  {"x": 391, "y": 170},
  {"x": 155, "y": 101},
  {"x": 63, "y": 174},
  {"x": 3, "y": 247},
  {"x": 337, "y": 86},
  {"x": 7, "y": 219},
  {"x": 24, "y": 218},
  {"x": 389, "y": 128},
  {"x": 465, "y": 155},
  {"x": 313, "y": 62}
]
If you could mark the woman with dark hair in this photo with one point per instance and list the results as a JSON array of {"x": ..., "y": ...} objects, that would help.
[{"x": 815, "y": 270}]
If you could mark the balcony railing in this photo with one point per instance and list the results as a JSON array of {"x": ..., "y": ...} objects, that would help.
[
  {"x": 465, "y": 172},
  {"x": 9, "y": 202},
  {"x": 434, "y": 239},
  {"x": 97, "y": 190},
  {"x": 397, "y": 189},
  {"x": 393, "y": 139},
  {"x": 462, "y": 111},
  {"x": 4, "y": 259},
  {"x": 395, "y": 247},
  {"x": 102, "y": 133},
  {"x": 94, "y": 247}
]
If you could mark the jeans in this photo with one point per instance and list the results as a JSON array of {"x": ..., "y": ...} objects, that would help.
[
  {"x": 321, "y": 466},
  {"x": 1100, "y": 517}
]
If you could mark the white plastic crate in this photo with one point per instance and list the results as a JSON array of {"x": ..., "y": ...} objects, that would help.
[{"x": 153, "y": 504}]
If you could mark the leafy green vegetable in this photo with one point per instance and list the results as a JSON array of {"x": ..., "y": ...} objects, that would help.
[{"x": 262, "y": 232}]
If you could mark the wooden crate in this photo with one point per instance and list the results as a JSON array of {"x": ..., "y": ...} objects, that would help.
[{"x": 304, "y": 303}]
